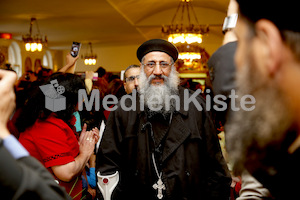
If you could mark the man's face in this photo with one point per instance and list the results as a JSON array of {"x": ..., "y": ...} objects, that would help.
[
  {"x": 158, "y": 82},
  {"x": 250, "y": 133},
  {"x": 131, "y": 79},
  {"x": 158, "y": 64}
]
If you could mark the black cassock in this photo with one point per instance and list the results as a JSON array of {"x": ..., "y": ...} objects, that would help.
[{"x": 186, "y": 150}]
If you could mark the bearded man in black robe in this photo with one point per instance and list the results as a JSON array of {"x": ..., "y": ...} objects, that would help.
[{"x": 162, "y": 141}]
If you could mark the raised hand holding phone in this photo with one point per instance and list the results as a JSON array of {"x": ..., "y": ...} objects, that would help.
[{"x": 71, "y": 59}]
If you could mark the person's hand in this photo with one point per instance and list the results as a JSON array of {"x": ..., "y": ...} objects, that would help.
[
  {"x": 70, "y": 66},
  {"x": 92, "y": 192},
  {"x": 71, "y": 60},
  {"x": 96, "y": 134},
  {"x": 86, "y": 142},
  {"x": 233, "y": 7},
  {"x": 234, "y": 181},
  {"x": 89, "y": 75},
  {"x": 8, "y": 97},
  {"x": 83, "y": 132}
]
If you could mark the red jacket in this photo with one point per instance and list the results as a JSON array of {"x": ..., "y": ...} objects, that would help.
[{"x": 53, "y": 143}]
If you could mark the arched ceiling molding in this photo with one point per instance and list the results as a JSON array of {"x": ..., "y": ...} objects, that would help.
[
  {"x": 204, "y": 15},
  {"x": 142, "y": 9}
]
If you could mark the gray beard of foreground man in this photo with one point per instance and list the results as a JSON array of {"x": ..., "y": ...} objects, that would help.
[
  {"x": 158, "y": 96},
  {"x": 254, "y": 137}
]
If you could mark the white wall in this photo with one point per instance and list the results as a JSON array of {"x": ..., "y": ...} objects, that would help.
[{"x": 113, "y": 58}]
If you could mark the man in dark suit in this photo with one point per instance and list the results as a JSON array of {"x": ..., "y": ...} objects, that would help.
[{"x": 21, "y": 176}]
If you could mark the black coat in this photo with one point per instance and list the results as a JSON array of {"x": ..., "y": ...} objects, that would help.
[
  {"x": 26, "y": 178},
  {"x": 192, "y": 163}
]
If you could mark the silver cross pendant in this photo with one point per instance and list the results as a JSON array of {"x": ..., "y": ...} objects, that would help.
[{"x": 159, "y": 186}]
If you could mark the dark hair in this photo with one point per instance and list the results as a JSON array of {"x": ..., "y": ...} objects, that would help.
[
  {"x": 109, "y": 76},
  {"x": 34, "y": 107},
  {"x": 102, "y": 85},
  {"x": 101, "y": 71},
  {"x": 289, "y": 30},
  {"x": 115, "y": 87},
  {"x": 281, "y": 13},
  {"x": 131, "y": 66}
]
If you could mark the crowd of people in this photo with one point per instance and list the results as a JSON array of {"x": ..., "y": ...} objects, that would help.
[{"x": 151, "y": 144}]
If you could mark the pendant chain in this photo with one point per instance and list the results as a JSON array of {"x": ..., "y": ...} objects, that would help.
[
  {"x": 159, "y": 185},
  {"x": 155, "y": 167}
]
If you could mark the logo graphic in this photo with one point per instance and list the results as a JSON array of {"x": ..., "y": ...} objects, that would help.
[{"x": 54, "y": 100}]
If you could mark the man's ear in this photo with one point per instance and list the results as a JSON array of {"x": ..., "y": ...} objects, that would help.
[{"x": 273, "y": 45}]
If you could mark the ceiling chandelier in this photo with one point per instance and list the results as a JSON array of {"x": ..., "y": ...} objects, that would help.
[
  {"x": 186, "y": 37},
  {"x": 34, "y": 42},
  {"x": 90, "y": 58}
]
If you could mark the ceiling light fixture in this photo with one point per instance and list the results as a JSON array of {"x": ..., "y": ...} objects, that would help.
[
  {"x": 90, "y": 58},
  {"x": 186, "y": 37},
  {"x": 34, "y": 42}
]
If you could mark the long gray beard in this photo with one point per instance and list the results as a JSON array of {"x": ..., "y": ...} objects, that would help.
[
  {"x": 157, "y": 97},
  {"x": 253, "y": 137}
]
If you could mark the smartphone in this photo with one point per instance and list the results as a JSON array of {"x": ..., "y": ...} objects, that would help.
[{"x": 75, "y": 49}]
